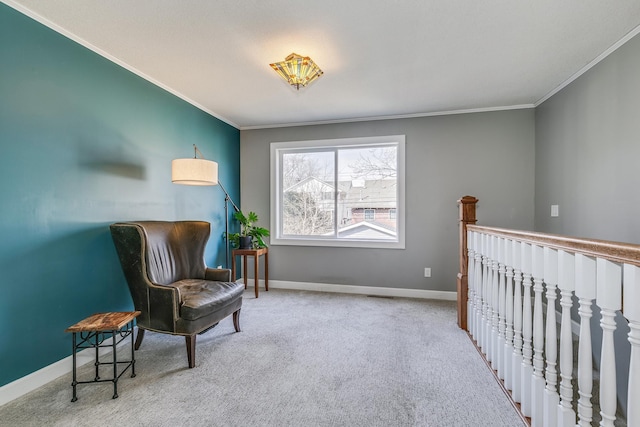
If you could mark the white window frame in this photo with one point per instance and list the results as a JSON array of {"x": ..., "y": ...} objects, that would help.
[{"x": 276, "y": 150}]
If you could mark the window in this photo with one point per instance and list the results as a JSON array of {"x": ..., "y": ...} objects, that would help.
[{"x": 326, "y": 193}]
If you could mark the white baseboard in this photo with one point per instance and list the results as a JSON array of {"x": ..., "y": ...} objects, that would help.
[
  {"x": 37, "y": 379},
  {"x": 360, "y": 290}
]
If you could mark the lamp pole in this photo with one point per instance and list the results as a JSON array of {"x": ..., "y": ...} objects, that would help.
[
  {"x": 227, "y": 200},
  {"x": 204, "y": 173}
]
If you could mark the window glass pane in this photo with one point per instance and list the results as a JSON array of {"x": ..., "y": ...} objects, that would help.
[
  {"x": 367, "y": 182},
  {"x": 308, "y": 193}
]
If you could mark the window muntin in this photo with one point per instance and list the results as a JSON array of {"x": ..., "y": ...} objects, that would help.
[{"x": 321, "y": 191}]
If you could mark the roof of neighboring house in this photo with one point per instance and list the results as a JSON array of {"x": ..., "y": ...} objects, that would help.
[
  {"x": 367, "y": 230},
  {"x": 373, "y": 194},
  {"x": 310, "y": 183},
  {"x": 380, "y": 193}
]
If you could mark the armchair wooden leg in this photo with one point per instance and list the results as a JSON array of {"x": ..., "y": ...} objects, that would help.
[
  {"x": 191, "y": 349},
  {"x": 139, "y": 338},
  {"x": 236, "y": 320}
]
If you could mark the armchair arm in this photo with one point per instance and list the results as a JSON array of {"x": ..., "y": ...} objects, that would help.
[
  {"x": 218, "y": 274},
  {"x": 164, "y": 303}
]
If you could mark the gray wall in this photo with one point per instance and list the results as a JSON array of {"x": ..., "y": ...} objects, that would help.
[
  {"x": 587, "y": 151},
  {"x": 487, "y": 155}
]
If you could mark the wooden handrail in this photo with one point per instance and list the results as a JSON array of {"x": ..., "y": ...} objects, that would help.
[{"x": 613, "y": 251}]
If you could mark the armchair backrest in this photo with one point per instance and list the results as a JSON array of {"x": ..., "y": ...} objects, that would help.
[
  {"x": 175, "y": 250},
  {"x": 170, "y": 251}
]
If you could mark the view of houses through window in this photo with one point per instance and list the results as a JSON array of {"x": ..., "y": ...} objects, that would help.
[{"x": 345, "y": 191}]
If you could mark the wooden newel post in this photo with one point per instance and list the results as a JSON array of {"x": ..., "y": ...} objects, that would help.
[{"x": 467, "y": 206}]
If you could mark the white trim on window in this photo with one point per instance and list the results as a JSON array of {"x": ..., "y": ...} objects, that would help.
[{"x": 278, "y": 149}]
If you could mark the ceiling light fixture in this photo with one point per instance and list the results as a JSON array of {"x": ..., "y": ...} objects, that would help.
[{"x": 297, "y": 70}]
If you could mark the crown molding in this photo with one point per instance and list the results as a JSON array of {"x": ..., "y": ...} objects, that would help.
[
  {"x": 631, "y": 34},
  {"x": 393, "y": 117}
]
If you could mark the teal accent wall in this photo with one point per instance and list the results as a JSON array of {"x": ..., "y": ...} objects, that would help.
[{"x": 85, "y": 143}]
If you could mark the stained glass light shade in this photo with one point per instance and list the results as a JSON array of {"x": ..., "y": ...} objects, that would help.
[{"x": 297, "y": 70}]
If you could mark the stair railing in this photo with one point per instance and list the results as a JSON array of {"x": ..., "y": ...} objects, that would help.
[{"x": 517, "y": 288}]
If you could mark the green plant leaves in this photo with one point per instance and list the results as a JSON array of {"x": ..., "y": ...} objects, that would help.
[{"x": 247, "y": 228}]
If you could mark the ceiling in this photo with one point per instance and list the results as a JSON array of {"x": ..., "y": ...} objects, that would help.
[{"x": 381, "y": 59}]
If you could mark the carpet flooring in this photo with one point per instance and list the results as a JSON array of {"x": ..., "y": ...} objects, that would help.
[{"x": 302, "y": 359}]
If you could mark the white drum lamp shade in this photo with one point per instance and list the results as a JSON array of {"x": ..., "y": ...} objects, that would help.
[{"x": 194, "y": 172}]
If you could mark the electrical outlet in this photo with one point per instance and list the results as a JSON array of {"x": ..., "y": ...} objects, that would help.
[
  {"x": 555, "y": 210},
  {"x": 427, "y": 272}
]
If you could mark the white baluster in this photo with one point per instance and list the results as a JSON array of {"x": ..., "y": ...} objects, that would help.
[
  {"x": 486, "y": 313},
  {"x": 527, "y": 331},
  {"x": 566, "y": 283},
  {"x": 586, "y": 293},
  {"x": 633, "y": 411},
  {"x": 502, "y": 307},
  {"x": 485, "y": 279},
  {"x": 609, "y": 299},
  {"x": 494, "y": 303},
  {"x": 470, "y": 277},
  {"x": 537, "y": 385},
  {"x": 516, "y": 360},
  {"x": 551, "y": 398},
  {"x": 477, "y": 324},
  {"x": 631, "y": 310},
  {"x": 508, "y": 347}
]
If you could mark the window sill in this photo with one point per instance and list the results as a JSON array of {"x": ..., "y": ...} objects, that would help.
[{"x": 370, "y": 244}]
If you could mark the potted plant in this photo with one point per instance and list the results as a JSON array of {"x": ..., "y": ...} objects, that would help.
[{"x": 251, "y": 236}]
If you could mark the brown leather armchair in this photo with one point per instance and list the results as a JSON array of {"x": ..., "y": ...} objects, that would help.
[{"x": 163, "y": 263}]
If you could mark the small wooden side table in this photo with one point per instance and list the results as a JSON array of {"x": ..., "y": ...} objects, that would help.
[
  {"x": 255, "y": 253},
  {"x": 94, "y": 330}
]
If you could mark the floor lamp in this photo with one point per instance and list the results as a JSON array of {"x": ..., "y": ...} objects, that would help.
[{"x": 199, "y": 171}]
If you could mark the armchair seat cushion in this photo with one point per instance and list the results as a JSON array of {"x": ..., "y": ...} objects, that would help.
[{"x": 199, "y": 297}]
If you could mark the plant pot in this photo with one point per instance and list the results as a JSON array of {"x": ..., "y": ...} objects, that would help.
[{"x": 246, "y": 242}]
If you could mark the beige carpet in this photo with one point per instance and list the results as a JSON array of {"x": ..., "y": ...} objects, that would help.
[{"x": 303, "y": 359}]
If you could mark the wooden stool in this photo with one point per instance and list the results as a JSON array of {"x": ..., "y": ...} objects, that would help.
[{"x": 118, "y": 325}]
